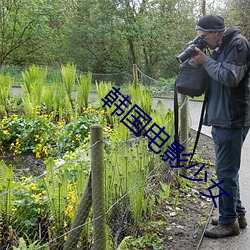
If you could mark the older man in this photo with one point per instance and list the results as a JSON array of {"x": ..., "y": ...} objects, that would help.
[{"x": 228, "y": 112}]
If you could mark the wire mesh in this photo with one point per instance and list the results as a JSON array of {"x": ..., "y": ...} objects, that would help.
[
  {"x": 158, "y": 87},
  {"x": 40, "y": 210}
]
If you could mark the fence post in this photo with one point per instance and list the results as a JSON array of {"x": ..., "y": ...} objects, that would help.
[
  {"x": 98, "y": 195},
  {"x": 184, "y": 127},
  {"x": 135, "y": 74}
]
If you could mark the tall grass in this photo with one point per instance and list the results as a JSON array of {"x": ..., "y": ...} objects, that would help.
[
  {"x": 6, "y": 184},
  {"x": 126, "y": 172},
  {"x": 142, "y": 96},
  {"x": 83, "y": 91},
  {"x": 33, "y": 85},
  {"x": 5, "y": 90},
  {"x": 48, "y": 98},
  {"x": 68, "y": 74}
]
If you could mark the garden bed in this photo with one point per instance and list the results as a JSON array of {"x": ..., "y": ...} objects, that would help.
[
  {"x": 149, "y": 205},
  {"x": 177, "y": 222}
]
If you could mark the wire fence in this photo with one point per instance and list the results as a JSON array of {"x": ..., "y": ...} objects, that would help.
[
  {"x": 54, "y": 210},
  {"x": 160, "y": 87},
  {"x": 40, "y": 211}
]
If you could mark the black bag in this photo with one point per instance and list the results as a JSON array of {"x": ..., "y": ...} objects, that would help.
[{"x": 192, "y": 80}]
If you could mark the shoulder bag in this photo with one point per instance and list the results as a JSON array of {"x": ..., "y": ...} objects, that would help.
[{"x": 192, "y": 79}]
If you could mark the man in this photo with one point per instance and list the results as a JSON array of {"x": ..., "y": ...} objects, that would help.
[{"x": 228, "y": 112}]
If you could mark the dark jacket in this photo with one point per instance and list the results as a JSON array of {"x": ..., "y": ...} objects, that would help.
[{"x": 228, "y": 103}]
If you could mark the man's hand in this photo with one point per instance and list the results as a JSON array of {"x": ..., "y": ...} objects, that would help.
[{"x": 200, "y": 58}]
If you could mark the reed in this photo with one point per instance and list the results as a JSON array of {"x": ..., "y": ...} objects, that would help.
[
  {"x": 34, "y": 80},
  {"x": 83, "y": 91},
  {"x": 5, "y": 90}
]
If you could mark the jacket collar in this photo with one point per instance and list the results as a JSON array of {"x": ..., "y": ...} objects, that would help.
[{"x": 231, "y": 32}]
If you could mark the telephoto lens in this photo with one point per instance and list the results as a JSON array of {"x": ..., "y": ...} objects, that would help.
[{"x": 190, "y": 50}]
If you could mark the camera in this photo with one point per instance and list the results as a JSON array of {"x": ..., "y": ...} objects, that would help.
[{"x": 190, "y": 51}]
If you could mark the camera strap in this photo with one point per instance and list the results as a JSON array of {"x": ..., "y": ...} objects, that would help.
[{"x": 176, "y": 122}]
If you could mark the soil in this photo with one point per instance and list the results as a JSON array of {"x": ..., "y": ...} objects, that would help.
[
  {"x": 25, "y": 164},
  {"x": 187, "y": 224}
]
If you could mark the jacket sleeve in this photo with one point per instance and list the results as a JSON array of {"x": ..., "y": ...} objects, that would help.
[{"x": 232, "y": 69}]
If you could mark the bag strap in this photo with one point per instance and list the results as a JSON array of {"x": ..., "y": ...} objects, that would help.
[
  {"x": 176, "y": 114},
  {"x": 199, "y": 127},
  {"x": 176, "y": 119},
  {"x": 176, "y": 122}
]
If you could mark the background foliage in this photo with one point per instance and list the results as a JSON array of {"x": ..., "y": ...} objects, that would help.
[{"x": 106, "y": 36}]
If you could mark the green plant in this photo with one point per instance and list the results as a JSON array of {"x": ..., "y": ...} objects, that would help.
[
  {"x": 103, "y": 88},
  {"x": 147, "y": 241},
  {"x": 23, "y": 134},
  {"x": 5, "y": 90},
  {"x": 176, "y": 199},
  {"x": 48, "y": 98},
  {"x": 44, "y": 137},
  {"x": 62, "y": 104},
  {"x": 165, "y": 190},
  {"x": 6, "y": 184},
  {"x": 141, "y": 96},
  {"x": 56, "y": 184},
  {"x": 68, "y": 74},
  {"x": 34, "y": 81},
  {"x": 83, "y": 91},
  {"x": 126, "y": 173},
  {"x": 23, "y": 246},
  {"x": 30, "y": 208}
]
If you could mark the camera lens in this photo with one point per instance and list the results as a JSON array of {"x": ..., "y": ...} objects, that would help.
[
  {"x": 190, "y": 50},
  {"x": 187, "y": 53}
]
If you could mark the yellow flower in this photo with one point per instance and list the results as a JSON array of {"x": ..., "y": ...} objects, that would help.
[
  {"x": 45, "y": 151},
  {"x": 17, "y": 152},
  {"x": 38, "y": 156},
  {"x": 37, "y": 196},
  {"x": 31, "y": 187},
  {"x": 14, "y": 209},
  {"x": 69, "y": 211},
  {"x": 73, "y": 199},
  {"x": 6, "y": 132}
]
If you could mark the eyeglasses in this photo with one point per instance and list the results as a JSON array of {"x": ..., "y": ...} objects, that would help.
[{"x": 203, "y": 36}]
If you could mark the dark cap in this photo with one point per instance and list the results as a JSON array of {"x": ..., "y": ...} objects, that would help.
[{"x": 211, "y": 23}]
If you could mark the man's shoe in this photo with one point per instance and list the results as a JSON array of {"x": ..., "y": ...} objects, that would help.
[
  {"x": 221, "y": 230},
  {"x": 241, "y": 219}
]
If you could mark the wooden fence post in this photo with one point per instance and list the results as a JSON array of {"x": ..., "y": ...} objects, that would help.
[
  {"x": 98, "y": 195},
  {"x": 135, "y": 74}
]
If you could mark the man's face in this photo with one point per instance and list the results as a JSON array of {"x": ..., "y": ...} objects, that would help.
[{"x": 211, "y": 38}]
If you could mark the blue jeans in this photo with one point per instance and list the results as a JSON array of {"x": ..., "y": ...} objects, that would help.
[{"x": 228, "y": 145}]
